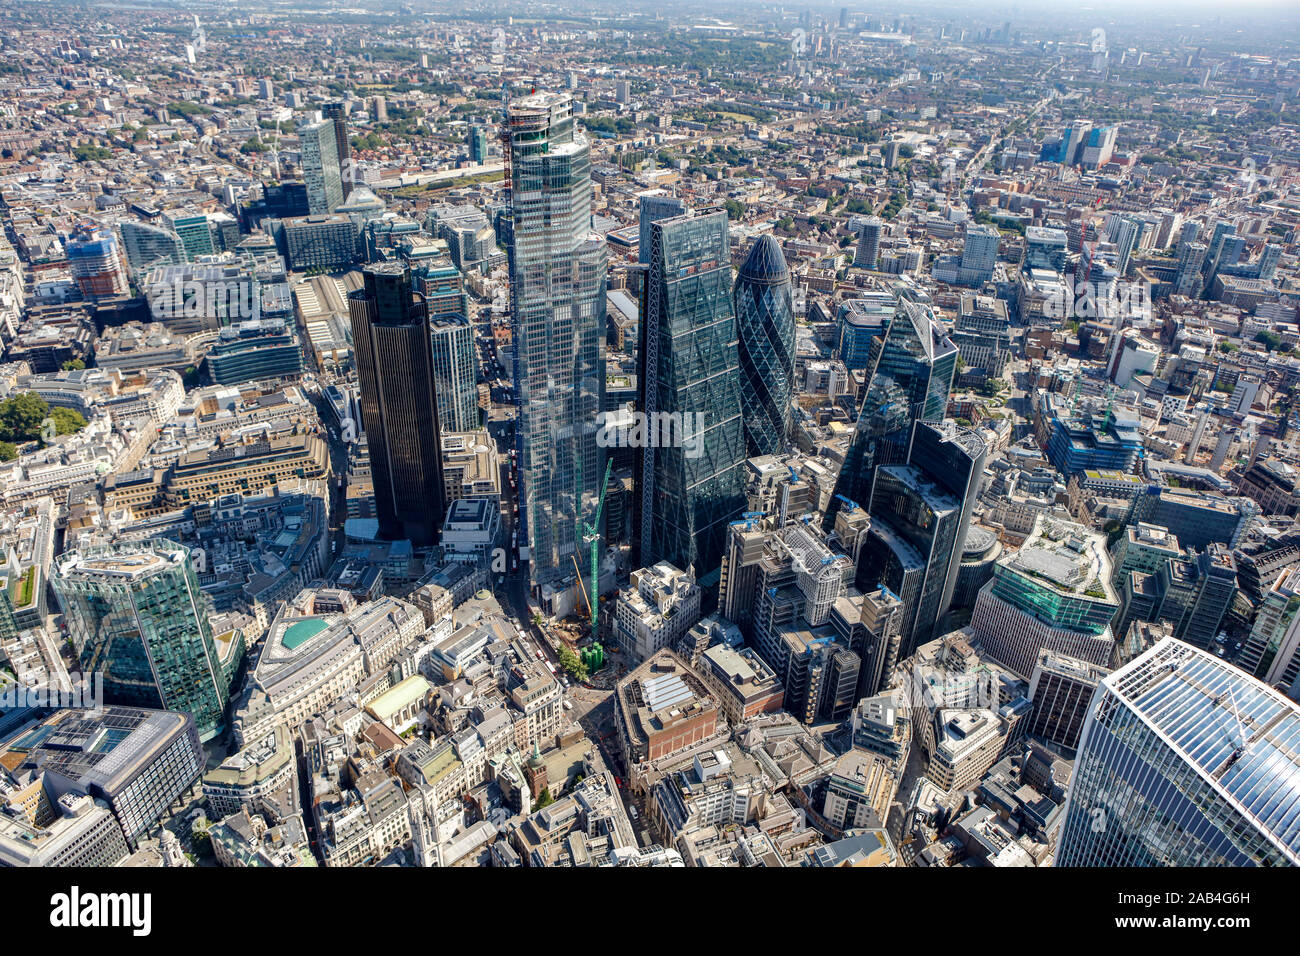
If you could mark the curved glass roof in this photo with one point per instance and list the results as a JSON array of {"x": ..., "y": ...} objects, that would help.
[{"x": 765, "y": 263}]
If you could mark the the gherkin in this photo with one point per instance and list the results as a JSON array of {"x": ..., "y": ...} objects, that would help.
[{"x": 764, "y": 297}]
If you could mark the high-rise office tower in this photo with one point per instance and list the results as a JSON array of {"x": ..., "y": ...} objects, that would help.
[
  {"x": 1123, "y": 232},
  {"x": 920, "y": 512},
  {"x": 979, "y": 255},
  {"x": 557, "y": 291},
  {"x": 693, "y": 483},
  {"x": 399, "y": 407},
  {"x": 454, "y": 363},
  {"x": 1268, "y": 260},
  {"x": 337, "y": 114},
  {"x": 478, "y": 144},
  {"x": 1185, "y": 760},
  {"x": 653, "y": 207},
  {"x": 320, "y": 167},
  {"x": 746, "y": 544},
  {"x": 765, "y": 329},
  {"x": 135, "y": 614},
  {"x": 1191, "y": 257},
  {"x": 912, "y": 544},
  {"x": 953, "y": 457},
  {"x": 909, "y": 382},
  {"x": 1098, "y": 146},
  {"x": 1061, "y": 688},
  {"x": 1272, "y": 652},
  {"x": 868, "y": 256}
]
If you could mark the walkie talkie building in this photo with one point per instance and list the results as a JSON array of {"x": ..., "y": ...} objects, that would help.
[{"x": 1185, "y": 760}]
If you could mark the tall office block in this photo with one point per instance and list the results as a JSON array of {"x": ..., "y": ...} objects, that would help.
[
  {"x": 765, "y": 329},
  {"x": 910, "y": 379},
  {"x": 738, "y": 586},
  {"x": 693, "y": 484},
  {"x": 861, "y": 324},
  {"x": 868, "y": 256},
  {"x": 136, "y": 615},
  {"x": 919, "y": 516},
  {"x": 1185, "y": 761},
  {"x": 557, "y": 290},
  {"x": 953, "y": 457},
  {"x": 979, "y": 255},
  {"x": 1061, "y": 688},
  {"x": 337, "y": 115},
  {"x": 1272, "y": 652},
  {"x": 653, "y": 207},
  {"x": 320, "y": 167},
  {"x": 454, "y": 364},
  {"x": 1098, "y": 146},
  {"x": 1124, "y": 233},
  {"x": 478, "y": 144},
  {"x": 399, "y": 407},
  {"x": 195, "y": 233}
]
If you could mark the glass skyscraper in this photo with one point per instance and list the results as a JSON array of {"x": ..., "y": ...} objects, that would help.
[
  {"x": 765, "y": 329},
  {"x": 557, "y": 290},
  {"x": 399, "y": 407},
  {"x": 336, "y": 114},
  {"x": 909, "y": 382},
  {"x": 454, "y": 361},
  {"x": 920, "y": 513},
  {"x": 1185, "y": 760},
  {"x": 135, "y": 614},
  {"x": 320, "y": 167},
  {"x": 693, "y": 484}
]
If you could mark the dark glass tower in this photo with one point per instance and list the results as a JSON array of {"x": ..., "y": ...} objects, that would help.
[
  {"x": 336, "y": 114},
  {"x": 909, "y": 383},
  {"x": 764, "y": 298},
  {"x": 399, "y": 407},
  {"x": 693, "y": 482}
]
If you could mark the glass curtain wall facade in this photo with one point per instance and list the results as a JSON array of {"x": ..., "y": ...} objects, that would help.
[
  {"x": 558, "y": 271},
  {"x": 764, "y": 298},
  {"x": 909, "y": 382},
  {"x": 454, "y": 362},
  {"x": 693, "y": 483},
  {"x": 135, "y": 614},
  {"x": 1185, "y": 760},
  {"x": 320, "y": 168}
]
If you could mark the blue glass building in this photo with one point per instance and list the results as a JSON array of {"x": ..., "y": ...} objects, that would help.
[
  {"x": 909, "y": 382},
  {"x": 764, "y": 297},
  {"x": 1185, "y": 760},
  {"x": 693, "y": 483}
]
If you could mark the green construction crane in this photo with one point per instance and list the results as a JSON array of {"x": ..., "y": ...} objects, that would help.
[{"x": 591, "y": 536}]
